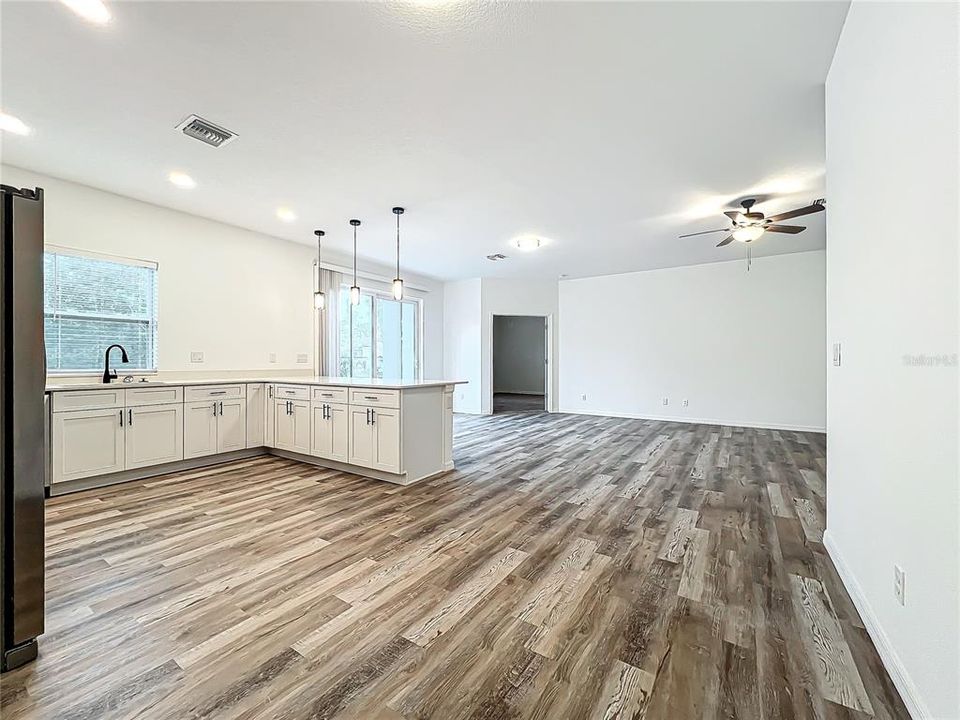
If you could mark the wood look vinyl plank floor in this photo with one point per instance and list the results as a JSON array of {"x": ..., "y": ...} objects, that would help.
[{"x": 570, "y": 567}]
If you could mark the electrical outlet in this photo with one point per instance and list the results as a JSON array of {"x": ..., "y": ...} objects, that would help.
[
  {"x": 273, "y": 357},
  {"x": 196, "y": 356},
  {"x": 686, "y": 403},
  {"x": 899, "y": 584},
  {"x": 303, "y": 358},
  {"x": 666, "y": 401},
  {"x": 584, "y": 397}
]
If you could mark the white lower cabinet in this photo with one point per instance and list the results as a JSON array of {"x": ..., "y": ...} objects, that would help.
[
  {"x": 153, "y": 435},
  {"x": 386, "y": 435},
  {"x": 375, "y": 438},
  {"x": 232, "y": 425},
  {"x": 292, "y": 425},
  {"x": 269, "y": 415},
  {"x": 255, "y": 414},
  {"x": 87, "y": 443},
  {"x": 214, "y": 426},
  {"x": 199, "y": 428},
  {"x": 329, "y": 431}
]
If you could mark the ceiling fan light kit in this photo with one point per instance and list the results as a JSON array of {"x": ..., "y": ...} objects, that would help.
[{"x": 748, "y": 225}]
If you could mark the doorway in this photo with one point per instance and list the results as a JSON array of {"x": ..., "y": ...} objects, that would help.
[{"x": 519, "y": 363}]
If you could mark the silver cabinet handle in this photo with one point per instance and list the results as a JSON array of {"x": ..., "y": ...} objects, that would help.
[
  {"x": 218, "y": 392},
  {"x": 371, "y": 397},
  {"x": 121, "y": 418},
  {"x": 214, "y": 409},
  {"x": 270, "y": 390},
  {"x": 130, "y": 417},
  {"x": 373, "y": 416},
  {"x": 221, "y": 408},
  {"x": 368, "y": 416}
]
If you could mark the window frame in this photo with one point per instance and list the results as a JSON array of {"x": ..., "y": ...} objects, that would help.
[
  {"x": 376, "y": 294},
  {"x": 120, "y": 260}
]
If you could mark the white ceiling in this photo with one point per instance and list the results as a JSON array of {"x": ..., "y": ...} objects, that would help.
[{"x": 607, "y": 128}]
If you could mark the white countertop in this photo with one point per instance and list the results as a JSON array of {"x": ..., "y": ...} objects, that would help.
[{"x": 295, "y": 380}]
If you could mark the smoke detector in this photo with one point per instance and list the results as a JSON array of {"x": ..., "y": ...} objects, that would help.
[{"x": 206, "y": 132}]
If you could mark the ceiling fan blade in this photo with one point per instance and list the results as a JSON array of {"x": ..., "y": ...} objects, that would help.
[
  {"x": 791, "y": 229},
  {"x": 726, "y": 241},
  {"x": 816, "y": 207},
  {"x": 706, "y": 232}
]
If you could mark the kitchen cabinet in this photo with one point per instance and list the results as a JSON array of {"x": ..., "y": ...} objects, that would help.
[
  {"x": 232, "y": 425},
  {"x": 269, "y": 415},
  {"x": 256, "y": 394},
  {"x": 199, "y": 428},
  {"x": 329, "y": 431},
  {"x": 153, "y": 434},
  {"x": 292, "y": 425},
  {"x": 447, "y": 438},
  {"x": 214, "y": 426},
  {"x": 87, "y": 443},
  {"x": 374, "y": 440}
]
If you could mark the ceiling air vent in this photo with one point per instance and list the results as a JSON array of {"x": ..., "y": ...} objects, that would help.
[{"x": 205, "y": 131}]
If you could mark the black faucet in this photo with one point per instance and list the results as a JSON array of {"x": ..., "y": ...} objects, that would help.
[{"x": 109, "y": 374}]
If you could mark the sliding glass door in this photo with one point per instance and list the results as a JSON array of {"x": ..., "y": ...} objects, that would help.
[{"x": 380, "y": 337}]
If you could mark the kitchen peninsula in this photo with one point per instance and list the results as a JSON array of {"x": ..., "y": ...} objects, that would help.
[{"x": 398, "y": 431}]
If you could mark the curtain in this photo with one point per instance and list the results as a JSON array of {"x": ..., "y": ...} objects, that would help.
[{"x": 327, "y": 330}]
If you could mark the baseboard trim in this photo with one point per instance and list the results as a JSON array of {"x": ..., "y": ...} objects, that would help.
[
  {"x": 888, "y": 655},
  {"x": 697, "y": 421}
]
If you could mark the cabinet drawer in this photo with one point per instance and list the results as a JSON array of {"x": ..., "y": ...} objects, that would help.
[
  {"x": 293, "y": 392},
  {"x": 88, "y": 399},
  {"x": 137, "y": 396},
  {"x": 214, "y": 392},
  {"x": 376, "y": 398},
  {"x": 330, "y": 394}
]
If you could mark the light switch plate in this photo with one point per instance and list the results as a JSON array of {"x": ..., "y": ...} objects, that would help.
[
  {"x": 273, "y": 357},
  {"x": 836, "y": 354},
  {"x": 303, "y": 358},
  {"x": 196, "y": 356}
]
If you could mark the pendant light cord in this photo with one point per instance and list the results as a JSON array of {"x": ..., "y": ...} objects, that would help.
[
  {"x": 398, "y": 245},
  {"x": 354, "y": 255}
]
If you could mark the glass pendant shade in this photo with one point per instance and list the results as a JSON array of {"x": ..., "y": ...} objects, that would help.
[
  {"x": 319, "y": 300},
  {"x": 398, "y": 289},
  {"x": 355, "y": 295}
]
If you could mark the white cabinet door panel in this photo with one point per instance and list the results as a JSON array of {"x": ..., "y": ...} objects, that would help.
[
  {"x": 232, "y": 425},
  {"x": 154, "y": 435},
  {"x": 361, "y": 437},
  {"x": 255, "y": 414},
  {"x": 386, "y": 430},
  {"x": 329, "y": 431},
  {"x": 199, "y": 428},
  {"x": 301, "y": 426},
  {"x": 87, "y": 443}
]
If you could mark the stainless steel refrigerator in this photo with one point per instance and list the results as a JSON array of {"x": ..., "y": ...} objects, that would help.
[{"x": 22, "y": 423}]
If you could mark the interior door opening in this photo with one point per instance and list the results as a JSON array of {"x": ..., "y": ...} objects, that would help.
[{"x": 519, "y": 363}]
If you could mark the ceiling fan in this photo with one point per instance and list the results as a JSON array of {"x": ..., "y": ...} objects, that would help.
[{"x": 748, "y": 225}]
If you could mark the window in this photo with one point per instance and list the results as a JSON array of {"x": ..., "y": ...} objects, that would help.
[
  {"x": 92, "y": 301},
  {"x": 379, "y": 338}
]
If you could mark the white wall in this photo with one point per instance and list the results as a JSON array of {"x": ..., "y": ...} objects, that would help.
[
  {"x": 519, "y": 349},
  {"x": 892, "y": 292},
  {"x": 515, "y": 297},
  {"x": 745, "y": 348},
  {"x": 461, "y": 342},
  {"x": 236, "y": 295}
]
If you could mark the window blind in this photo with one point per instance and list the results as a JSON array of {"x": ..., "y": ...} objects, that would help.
[{"x": 92, "y": 301}]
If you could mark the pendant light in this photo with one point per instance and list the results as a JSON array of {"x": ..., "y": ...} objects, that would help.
[
  {"x": 355, "y": 289},
  {"x": 319, "y": 299},
  {"x": 397, "y": 282}
]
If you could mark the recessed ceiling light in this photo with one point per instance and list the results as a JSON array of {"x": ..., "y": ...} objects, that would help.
[
  {"x": 286, "y": 214},
  {"x": 91, "y": 10},
  {"x": 182, "y": 180},
  {"x": 9, "y": 123},
  {"x": 527, "y": 243}
]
